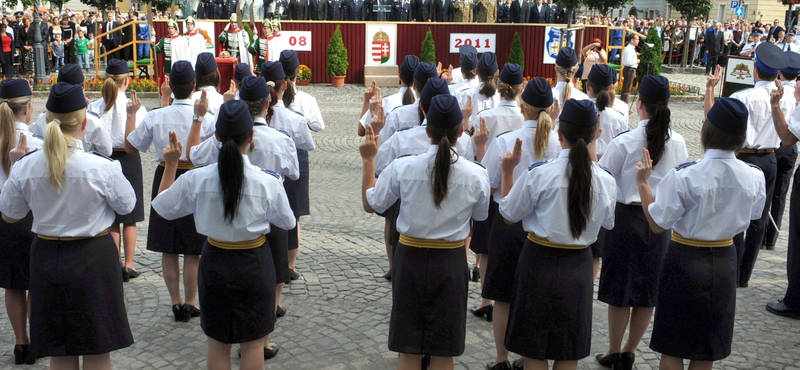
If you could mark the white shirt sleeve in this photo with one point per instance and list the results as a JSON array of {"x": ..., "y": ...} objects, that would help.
[
  {"x": 668, "y": 206},
  {"x": 142, "y": 136},
  {"x": 206, "y": 153},
  {"x": 119, "y": 192},
  {"x": 629, "y": 57},
  {"x": 386, "y": 191},
  {"x": 279, "y": 212},
  {"x": 12, "y": 202},
  {"x": 520, "y": 201},
  {"x": 177, "y": 201}
]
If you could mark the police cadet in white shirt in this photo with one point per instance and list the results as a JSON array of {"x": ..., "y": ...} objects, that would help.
[
  {"x": 600, "y": 86},
  {"x": 485, "y": 95},
  {"x": 74, "y": 262},
  {"x": 632, "y": 253},
  {"x": 112, "y": 107},
  {"x": 458, "y": 76},
  {"x": 630, "y": 61},
  {"x": 234, "y": 204},
  {"x": 538, "y": 142},
  {"x": 403, "y": 96},
  {"x": 174, "y": 237},
  {"x": 409, "y": 115},
  {"x": 296, "y": 100},
  {"x": 242, "y": 70},
  {"x": 789, "y": 44},
  {"x": 440, "y": 192},
  {"x": 566, "y": 66},
  {"x": 785, "y": 154},
  {"x": 207, "y": 79},
  {"x": 281, "y": 118},
  {"x": 16, "y": 108},
  {"x": 506, "y": 115},
  {"x": 97, "y": 138},
  {"x": 749, "y": 50},
  {"x": 705, "y": 203},
  {"x": 759, "y": 147},
  {"x": 562, "y": 211},
  {"x": 468, "y": 73}
]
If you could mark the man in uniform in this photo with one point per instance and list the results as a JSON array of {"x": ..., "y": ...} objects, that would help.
[
  {"x": 487, "y": 12},
  {"x": 334, "y": 10},
  {"x": 173, "y": 46},
  {"x": 235, "y": 41},
  {"x": 260, "y": 47},
  {"x": 463, "y": 11},
  {"x": 356, "y": 10},
  {"x": 749, "y": 50},
  {"x": 196, "y": 42}
]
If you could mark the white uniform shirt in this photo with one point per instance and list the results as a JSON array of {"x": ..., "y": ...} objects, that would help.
[
  {"x": 413, "y": 141},
  {"x": 157, "y": 124},
  {"x": 505, "y": 117},
  {"x": 215, "y": 99},
  {"x": 93, "y": 189},
  {"x": 408, "y": 179},
  {"x": 294, "y": 124},
  {"x": 621, "y": 107},
  {"x": 480, "y": 102},
  {"x": 505, "y": 142},
  {"x": 400, "y": 117},
  {"x": 613, "y": 123},
  {"x": 788, "y": 96},
  {"x": 389, "y": 104},
  {"x": 272, "y": 150},
  {"x": 115, "y": 118},
  {"x": 197, "y": 192},
  {"x": 558, "y": 92},
  {"x": 96, "y": 138},
  {"x": 539, "y": 199},
  {"x": 457, "y": 76},
  {"x": 751, "y": 46},
  {"x": 625, "y": 151},
  {"x": 713, "y": 199},
  {"x": 306, "y": 105},
  {"x": 629, "y": 57},
  {"x": 790, "y": 47},
  {"x": 461, "y": 90},
  {"x": 761, "y": 132}
]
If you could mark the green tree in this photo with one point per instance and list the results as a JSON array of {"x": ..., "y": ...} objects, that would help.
[
  {"x": 650, "y": 61},
  {"x": 428, "y": 53},
  {"x": 13, "y": 3},
  {"x": 161, "y": 5},
  {"x": 603, "y": 6},
  {"x": 516, "y": 55},
  {"x": 337, "y": 55},
  {"x": 692, "y": 8}
]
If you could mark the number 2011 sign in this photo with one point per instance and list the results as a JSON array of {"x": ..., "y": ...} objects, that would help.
[
  {"x": 483, "y": 42},
  {"x": 297, "y": 40}
]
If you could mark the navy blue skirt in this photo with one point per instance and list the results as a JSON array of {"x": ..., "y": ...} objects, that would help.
[
  {"x": 482, "y": 230},
  {"x": 132, "y": 169},
  {"x": 278, "y": 240},
  {"x": 507, "y": 242},
  {"x": 696, "y": 303},
  {"x": 237, "y": 293},
  {"x": 297, "y": 190},
  {"x": 597, "y": 246},
  {"x": 15, "y": 253},
  {"x": 551, "y": 312},
  {"x": 77, "y": 302},
  {"x": 429, "y": 301},
  {"x": 178, "y": 236},
  {"x": 632, "y": 258}
]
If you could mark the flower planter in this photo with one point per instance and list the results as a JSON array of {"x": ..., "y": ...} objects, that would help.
[
  {"x": 303, "y": 82},
  {"x": 338, "y": 81}
]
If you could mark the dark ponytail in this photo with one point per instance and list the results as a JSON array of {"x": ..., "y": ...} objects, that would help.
[
  {"x": 657, "y": 128},
  {"x": 489, "y": 87},
  {"x": 231, "y": 174},
  {"x": 408, "y": 96},
  {"x": 273, "y": 99},
  {"x": 605, "y": 97},
  {"x": 288, "y": 95},
  {"x": 440, "y": 173},
  {"x": 579, "y": 171}
]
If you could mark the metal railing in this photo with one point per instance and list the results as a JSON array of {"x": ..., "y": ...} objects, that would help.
[
  {"x": 134, "y": 43},
  {"x": 625, "y": 32}
]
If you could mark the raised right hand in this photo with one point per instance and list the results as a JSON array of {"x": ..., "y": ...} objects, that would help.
[
  {"x": 201, "y": 105},
  {"x": 512, "y": 158},
  {"x": 172, "y": 152}
]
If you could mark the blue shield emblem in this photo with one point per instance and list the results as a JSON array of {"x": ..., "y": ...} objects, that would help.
[{"x": 551, "y": 46}]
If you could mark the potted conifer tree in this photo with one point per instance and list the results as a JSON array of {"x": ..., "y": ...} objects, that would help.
[{"x": 337, "y": 59}]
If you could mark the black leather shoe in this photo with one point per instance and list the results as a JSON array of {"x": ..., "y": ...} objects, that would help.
[
  {"x": 769, "y": 247},
  {"x": 388, "y": 275},
  {"x": 192, "y": 310},
  {"x": 293, "y": 274},
  {"x": 626, "y": 361},
  {"x": 505, "y": 365},
  {"x": 484, "y": 311},
  {"x": 280, "y": 311},
  {"x": 270, "y": 353},
  {"x": 426, "y": 362},
  {"x": 180, "y": 314},
  {"x": 607, "y": 361},
  {"x": 518, "y": 364},
  {"x": 133, "y": 274},
  {"x": 743, "y": 284},
  {"x": 476, "y": 274},
  {"x": 22, "y": 354},
  {"x": 125, "y": 277},
  {"x": 778, "y": 308}
]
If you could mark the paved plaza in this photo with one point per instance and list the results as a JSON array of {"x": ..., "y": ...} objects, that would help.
[{"x": 338, "y": 312}]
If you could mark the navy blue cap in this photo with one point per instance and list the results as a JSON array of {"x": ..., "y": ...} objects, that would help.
[
  {"x": 602, "y": 75},
  {"x": 289, "y": 60},
  {"x": 469, "y": 61},
  {"x": 729, "y": 115},
  {"x": 233, "y": 119},
  {"x": 117, "y": 67},
  {"x": 206, "y": 64},
  {"x": 794, "y": 63},
  {"x": 770, "y": 58},
  {"x": 467, "y": 48},
  {"x": 242, "y": 71},
  {"x": 655, "y": 87},
  {"x": 253, "y": 88},
  {"x": 538, "y": 93},
  {"x": 434, "y": 87},
  {"x": 181, "y": 72},
  {"x": 409, "y": 65},
  {"x": 14, "y": 88},
  {"x": 487, "y": 66},
  {"x": 423, "y": 73},
  {"x": 511, "y": 74},
  {"x": 65, "y": 98},
  {"x": 444, "y": 112},
  {"x": 579, "y": 112},
  {"x": 566, "y": 58},
  {"x": 272, "y": 71},
  {"x": 71, "y": 74}
]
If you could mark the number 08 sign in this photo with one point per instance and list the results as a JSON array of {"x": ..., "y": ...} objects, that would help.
[
  {"x": 483, "y": 42},
  {"x": 297, "y": 40}
]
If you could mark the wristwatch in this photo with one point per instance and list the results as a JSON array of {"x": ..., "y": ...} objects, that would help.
[{"x": 197, "y": 118}]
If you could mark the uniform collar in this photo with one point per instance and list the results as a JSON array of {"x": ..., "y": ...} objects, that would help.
[
  {"x": 246, "y": 160},
  {"x": 508, "y": 103},
  {"x": 764, "y": 83},
  {"x": 209, "y": 89},
  {"x": 643, "y": 123},
  {"x": 791, "y": 83},
  {"x": 79, "y": 145},
  {"x": 260, "y": 121},
  {"x": 21, "y": 126},
  {"x": 191, "y": 33},
  {"x": 175, "y": 36},
  {"x": 531, "y": 123},
  {"x": 720, "y": 154},
  {"x": 183, "y": 102},
  {"x": 564, "y": 153}
]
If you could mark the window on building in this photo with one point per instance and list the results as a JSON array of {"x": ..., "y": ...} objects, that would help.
[{"x": 721, "y": 12}]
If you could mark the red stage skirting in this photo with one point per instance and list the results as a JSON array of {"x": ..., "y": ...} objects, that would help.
[{"x": 411, "y": 35}]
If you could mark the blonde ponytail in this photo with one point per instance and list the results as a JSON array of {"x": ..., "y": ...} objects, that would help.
[
  {"x": 568, "y": 74},
  {"x": 9, "y": 108},
  {"x": 544, "y": 125},
  {"x": 59, "y": 143},
  {"x": 111, "y": 88}
]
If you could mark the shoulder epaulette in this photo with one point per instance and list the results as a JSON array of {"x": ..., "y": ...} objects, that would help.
[
  {"x": 619, "y": 134},
  {"x": 404, "y": 128},
  {"x": 684, "y": 165},
  {"x": 504, "y": 133},
  {"x": 537, "y": 164},
  {"x": 93, "y": 113},
  {"x": 284, "y": 132},
  {"x": 405, "y": 155},
  {"x": 607, "y": 170},
  {"x": 28, "y": 153},
  {"x": 484, "y": 110},
  {"x": 476, "y": 162},
  {"x": 754, "y": 166},
  {"x": 102, "y": 156},
  {"x": 395, "y": 108},
  {"x": 301, "y": 114},
  {"x": 271, "y": 172},
  {"x": 40, "y": 137}
]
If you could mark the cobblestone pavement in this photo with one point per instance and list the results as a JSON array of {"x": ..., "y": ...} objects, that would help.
[{"x": 338, "y": 312}]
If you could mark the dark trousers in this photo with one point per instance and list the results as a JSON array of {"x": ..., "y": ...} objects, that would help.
[
  {"x": 792, "y": 297},
  {"x": 690, "y": 56},
  {"x": 786, "y": 156},
  {"x": 8, "y": 70},
  {"x": 628, "y": 75},
  {"x": 711, "y": 63},
  {"x": 110, "y": 45},
  {"x": 69, "y": 54},
  {"x": 748, "y": 243}
]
